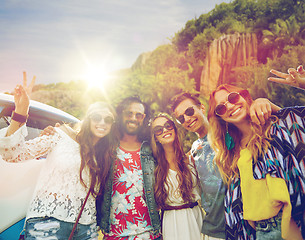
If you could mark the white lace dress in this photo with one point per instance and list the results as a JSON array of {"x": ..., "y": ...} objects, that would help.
[
  {"x": 58, "y": 192},
  {"x": 183, "y": 224}
]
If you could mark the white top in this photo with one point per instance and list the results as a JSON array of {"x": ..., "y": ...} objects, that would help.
[
  {"x": 174, "y": 197},
  {"x": 183, "y": 224},
  {"x": 58, "y": 192}
]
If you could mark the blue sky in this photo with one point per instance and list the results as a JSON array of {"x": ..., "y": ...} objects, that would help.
[{"x": 59, "y": 40}]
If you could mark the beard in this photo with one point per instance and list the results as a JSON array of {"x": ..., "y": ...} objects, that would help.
[{"x": 131, "y": 130}]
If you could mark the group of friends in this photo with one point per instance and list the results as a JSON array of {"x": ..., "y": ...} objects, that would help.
[{"x": 244, "y": 177}]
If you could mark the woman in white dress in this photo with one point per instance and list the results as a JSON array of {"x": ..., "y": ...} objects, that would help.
[
  {"x": 176, "y": 183},
  {"x": 75, "y": 164}
]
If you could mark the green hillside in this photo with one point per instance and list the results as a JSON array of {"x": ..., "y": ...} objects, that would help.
[{"x": 169, "y": 69}]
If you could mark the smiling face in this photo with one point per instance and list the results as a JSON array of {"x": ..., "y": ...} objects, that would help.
[
  {"x": 235, "y": 113},
  {"x": 167, "y": 135},
  {"x": 133, "y": 117},
  {"x": 192, "y": 123},
  {"x": 100, "y": 123}
]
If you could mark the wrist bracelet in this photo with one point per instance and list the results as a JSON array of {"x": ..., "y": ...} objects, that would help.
[{"x": 18, "y": 117}]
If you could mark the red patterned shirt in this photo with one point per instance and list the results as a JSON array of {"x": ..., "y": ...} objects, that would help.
[{"x": 129, "y": 217}]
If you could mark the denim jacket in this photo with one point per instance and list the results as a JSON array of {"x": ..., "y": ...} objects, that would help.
[{"x": 103, "y": 203}]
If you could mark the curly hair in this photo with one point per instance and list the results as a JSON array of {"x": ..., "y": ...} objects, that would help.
[
  {"x": 184, "y": 173},
  {"x": 225, "y": 159},
  {"x": 97, "y": 158}
]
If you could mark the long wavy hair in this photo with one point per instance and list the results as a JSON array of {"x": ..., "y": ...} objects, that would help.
[
  {"x": 225, "y": 159},
  {"x": 97, "y": 158},
  {"x": 184, "y": 174}
]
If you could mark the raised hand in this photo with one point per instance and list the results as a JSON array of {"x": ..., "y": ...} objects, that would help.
[
  {"x": 295, "y": 77},
  {"x": 22, "y": 95},
  {"x": 22, "y": 102}
]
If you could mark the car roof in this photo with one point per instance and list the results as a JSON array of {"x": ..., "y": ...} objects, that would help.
[{"x": 40, "y": 112}]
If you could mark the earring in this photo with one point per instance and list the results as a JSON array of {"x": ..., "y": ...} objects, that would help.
[{"x": 229, "y": 139}]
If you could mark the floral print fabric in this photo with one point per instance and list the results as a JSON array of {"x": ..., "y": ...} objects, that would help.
[{"x": 129, "y": 217}]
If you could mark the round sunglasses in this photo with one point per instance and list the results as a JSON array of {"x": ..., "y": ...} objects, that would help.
[
  {"x": 98, "y": 117},
  {"x": 188, "y": 112},
  {"x": 232, "y": 98},
  {"x": 158, "y": 130}
]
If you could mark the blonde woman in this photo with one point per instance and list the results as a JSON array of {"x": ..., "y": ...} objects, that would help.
[{"x": 262, "y": 165}]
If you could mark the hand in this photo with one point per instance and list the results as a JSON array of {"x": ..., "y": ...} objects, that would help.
[
  {"x": 22, "y": 96},
  {"x": 260, "y": 111},
  {"x": 295, "y": 77},
  {"x": 49, "y": 130}
]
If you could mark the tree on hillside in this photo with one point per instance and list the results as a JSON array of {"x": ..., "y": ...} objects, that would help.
[
  {"x": 185, "y": 36},
  {"x": 168, "y": 85},
  {"x": 255, "y": 77},
  {"x": 163, "y": 58},
  {"x": 280, "y": 34}
]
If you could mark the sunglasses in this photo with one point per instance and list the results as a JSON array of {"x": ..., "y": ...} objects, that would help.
[
  {"x": 98, "y": 117},
  {"x": 221, "y": 108},
  {"x": 139, "y": 116},
  {"x": 188, "y": 112},
  {"x": 158, "y": 130}
]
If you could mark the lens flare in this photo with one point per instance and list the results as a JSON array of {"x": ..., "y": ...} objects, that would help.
[{"x": 96, "y": 76}]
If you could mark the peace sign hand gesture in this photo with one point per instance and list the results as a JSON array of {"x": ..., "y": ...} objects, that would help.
[
  {"x": 295, "y": 78},
  {"x": 22, "y": 95}
]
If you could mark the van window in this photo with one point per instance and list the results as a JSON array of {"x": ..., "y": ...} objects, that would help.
[{"x": 32, "y": 132}]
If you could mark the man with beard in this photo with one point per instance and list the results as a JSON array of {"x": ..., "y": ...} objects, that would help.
[{"x": 127, "y": 209}]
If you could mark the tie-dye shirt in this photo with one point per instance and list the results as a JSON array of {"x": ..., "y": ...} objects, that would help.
[{"x": 213, "y": 189}]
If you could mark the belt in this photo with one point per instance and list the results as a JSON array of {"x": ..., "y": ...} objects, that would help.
[
  {"x": 266, "y": 225},
  {"x": 184, "y": 206},
  {"x": 187, "y": 205}
]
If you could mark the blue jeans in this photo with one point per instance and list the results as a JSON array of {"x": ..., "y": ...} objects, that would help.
[
  {"x": 51, "y": 228},
  {"x": 269, "y": 229}
]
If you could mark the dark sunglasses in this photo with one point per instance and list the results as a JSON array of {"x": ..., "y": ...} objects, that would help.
[
  {"x": 158, "y": 130},
  {"x": 221, "y": 108},
  {"x": 188, "y": 112},
  {"x": 129, "y": 114},
  {"x": 98, "y": 117}
]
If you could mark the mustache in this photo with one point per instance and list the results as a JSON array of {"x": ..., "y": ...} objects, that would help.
[{"x": 130, "y": 121}]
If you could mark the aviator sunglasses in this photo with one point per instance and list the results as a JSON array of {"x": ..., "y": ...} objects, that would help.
[
  {"x": 221, "y": 108},
  {"x": 188, "y": 112},
  {"x": 158, "y": 130},
  {"x": 98, "y": 117}
]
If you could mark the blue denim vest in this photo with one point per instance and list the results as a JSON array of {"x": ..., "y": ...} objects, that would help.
[{"x": 103, "y": 203}]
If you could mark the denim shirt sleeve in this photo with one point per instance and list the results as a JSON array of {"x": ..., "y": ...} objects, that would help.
[
  {"x": 103, "y": 204},
  {"x": 148, "y": 167}
]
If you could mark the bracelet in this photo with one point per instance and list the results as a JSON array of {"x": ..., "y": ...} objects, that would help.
[{"x": 18, "y": 117}]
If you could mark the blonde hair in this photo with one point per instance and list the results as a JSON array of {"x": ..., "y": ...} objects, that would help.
[{"x": 226, "y": 160}]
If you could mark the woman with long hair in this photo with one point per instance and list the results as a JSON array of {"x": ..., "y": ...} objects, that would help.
[
  {"x": 176, "y": 183},
  {"x": 262, "y": 165},
  {"x": 76, "y": 164}
]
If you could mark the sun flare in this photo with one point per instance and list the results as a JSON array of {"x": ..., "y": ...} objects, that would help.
[{"x": 96, "y": 76}]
